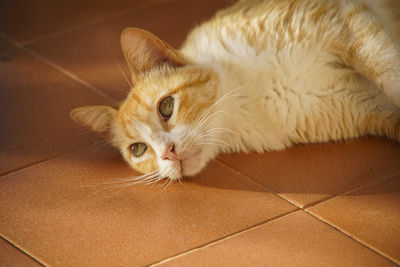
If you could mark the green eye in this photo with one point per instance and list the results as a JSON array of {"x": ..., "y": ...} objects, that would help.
[
  {"x": 166, "y": 107},
  {"x": 138, "y": 149}
]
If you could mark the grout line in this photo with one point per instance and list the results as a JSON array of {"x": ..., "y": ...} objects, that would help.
[
  {"x": 380, "y": 253},
  {"x": 69, "y": 74},
  {"x": 27, "y": 166},
  {"x": 82, "y": 82},
  {"x": 94, "y": 22},
  {"x": 316, "y": 203},
  {"x": 305, "y": 208},
  {"x": 22, "y": 250},
  {"x": 348, "y": 234},
  {"x": 255, "y": 181},
  {"x": 217, "y": 241},
  {"x": 60, "y": 69}
]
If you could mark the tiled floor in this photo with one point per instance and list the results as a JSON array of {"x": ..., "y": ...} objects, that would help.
[{"x": 332, "y": 204}]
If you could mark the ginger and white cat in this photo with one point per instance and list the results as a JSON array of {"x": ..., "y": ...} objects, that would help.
[{"x": 260, "y": 75}]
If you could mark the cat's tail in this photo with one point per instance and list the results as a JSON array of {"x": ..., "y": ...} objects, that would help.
[{"x": 366, "y": 46}]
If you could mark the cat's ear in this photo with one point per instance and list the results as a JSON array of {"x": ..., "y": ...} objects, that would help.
[
  {"x": 143, "y": 51},
  {"x": 96, "y": 118}
]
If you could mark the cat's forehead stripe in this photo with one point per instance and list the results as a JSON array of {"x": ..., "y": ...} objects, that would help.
[
  {"x": 191, "y": 84},
  {"x": 125, "y": 128},
  {"x": 140, "y": 101}
]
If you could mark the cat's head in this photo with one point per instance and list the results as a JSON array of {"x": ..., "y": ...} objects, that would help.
[{"x": 162, "y": 125}]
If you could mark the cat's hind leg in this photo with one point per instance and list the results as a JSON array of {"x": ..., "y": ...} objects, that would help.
[{"x": 366, "y": 46}]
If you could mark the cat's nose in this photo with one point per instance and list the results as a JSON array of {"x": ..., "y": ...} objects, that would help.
[{"x": 170, "y": 153}]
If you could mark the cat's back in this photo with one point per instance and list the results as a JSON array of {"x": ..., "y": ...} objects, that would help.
[{"x": 251, "y": 27}]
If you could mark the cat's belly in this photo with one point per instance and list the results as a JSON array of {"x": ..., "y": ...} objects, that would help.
[
  {"x": 281, "y": 114},
  {"x": 335, "y": 114}
]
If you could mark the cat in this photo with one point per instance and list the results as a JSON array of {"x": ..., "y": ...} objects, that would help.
[{"x": 261, "y": 75}]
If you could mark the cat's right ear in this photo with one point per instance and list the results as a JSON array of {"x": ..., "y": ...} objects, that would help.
[
  {"x": 96, "y": 118},
  {"x": 143, "y": 51}
]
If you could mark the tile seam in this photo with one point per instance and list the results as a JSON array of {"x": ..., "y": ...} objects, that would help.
[
  {"x": 70, "y": 75},
  {"x": 33, "y": 164},
  {"x": 348, "y": 234},
  {"x": 21, "y": 250},
  {"x": 343, "y": 232},
  {"x": 59, "y": 69},
  {"x": 93, "y": 22},
  {"x": 222, "y": 239},
  {"x": 305, "y": 208},
  {"x": 258, "y": 183},
  {"x": 317, "y": 203}
]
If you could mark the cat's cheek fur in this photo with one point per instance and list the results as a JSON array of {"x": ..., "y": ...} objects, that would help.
[{"x": 144, "y": 164}]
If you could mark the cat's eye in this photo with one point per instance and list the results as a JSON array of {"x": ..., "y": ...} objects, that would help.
[
  {"x": 138, "y": 149},
  {"x": 166, "y": 107}
]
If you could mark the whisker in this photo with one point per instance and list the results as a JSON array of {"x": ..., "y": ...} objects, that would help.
[
  {"x": 210, "y": 116},
  {"x": 204, "y": 116},
  {"x": 209, "y": 132},
  {"x": 123, "y": 73},
  {"x": 218, "y": 129},
  {"x": 130, "y": 179},
  {"x": 193, "y": 137},
  {"x": 122, "y": 183},
  {"x": 215, "y": 140},
  {"x": 213, "y": 144},
  {"x": 167, "y": 184}
]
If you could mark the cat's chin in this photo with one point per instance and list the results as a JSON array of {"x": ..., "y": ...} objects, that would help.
[{"x": 193, "y": 164}]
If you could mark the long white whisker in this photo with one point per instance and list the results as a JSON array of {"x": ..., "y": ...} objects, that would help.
[
  {"x": 210, "y": 116},
  {"x": 204, "y": 117},
  {"x": 130, "y": 179},
  {"x": 190, "y": 136},
  {"x": 123, "y": 73},
  {"x": 210, "y": 132},
  {"x": 224, "y": 97},
  {"x": 144, "y": 179},
  {"x": 212, "y": 144},
  {"x": 193, "y": 137},
  {"x": 220, "y": 129},
  {"x": 214, "y": 141}
]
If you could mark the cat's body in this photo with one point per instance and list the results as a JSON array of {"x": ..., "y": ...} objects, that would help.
[
  {"x": 292, "y": 79},
  {"x": 260, "y": 75}
]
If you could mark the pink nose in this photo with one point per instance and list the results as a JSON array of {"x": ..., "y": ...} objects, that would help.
[{"x": 170, "y": 153}]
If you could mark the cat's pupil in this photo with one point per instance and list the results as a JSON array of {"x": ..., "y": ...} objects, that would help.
[
  {"x": 138, "y": 149},
  {"x": 166, "y": 107}
]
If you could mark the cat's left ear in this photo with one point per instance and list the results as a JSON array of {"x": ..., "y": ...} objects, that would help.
[
  {"x": 143, "y": 51},
  {"x": 97, "y": 118}
]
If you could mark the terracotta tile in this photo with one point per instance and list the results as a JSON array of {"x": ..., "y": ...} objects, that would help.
[
  {"x": 371, "y": 215},
  {"x": 51, "y": 210},
  {"x": 309, "y": 173},
  {"x": 25, "y": 21},
  {"x": 297, "y": 239},
  {"x": 11, "y": 256},
  {"x": 35, "y": 102},
  {"x": 89, "y": 53}
]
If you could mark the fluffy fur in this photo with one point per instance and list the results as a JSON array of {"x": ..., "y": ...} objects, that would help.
[{"x": 260, "y": 75}]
